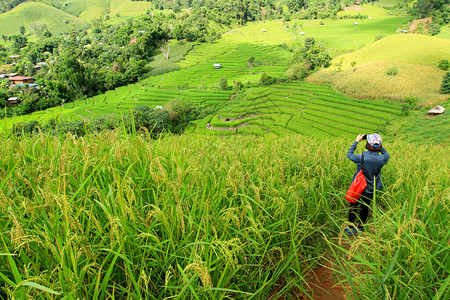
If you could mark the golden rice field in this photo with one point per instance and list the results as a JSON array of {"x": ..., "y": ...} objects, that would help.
[
  {"x": 370, "y": 81},
  {"x": 400, "y": 48},
  {"x": 115, "y": 216}
]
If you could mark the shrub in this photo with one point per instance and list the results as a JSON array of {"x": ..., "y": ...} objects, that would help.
[
  {"x": 353, "y": 64},
  {"x": 299, "y": 71},
  {"x": 443, "y": 64},
  {"x": 266, "y": 79},
  {"x": 379, "y": 37},
  {"x": 392, "y": 71},
  {"x": 223, "y": 83},
  {"x": 445, "y": 86},
  {"x": 434, "y": 29}
]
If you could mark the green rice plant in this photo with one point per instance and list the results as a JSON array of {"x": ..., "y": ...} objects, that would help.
[{"x": 195, "y": 216}]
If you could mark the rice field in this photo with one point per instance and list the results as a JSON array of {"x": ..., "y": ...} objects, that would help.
[
  {"x": 401, "y": 48},
  {"x": 299, "y": 107},
  {"x": 127, "y": 217},
  {"x": 341, "y": 35},
  {"x": 121, "y": 100},
  {"x": 369, "y": 81},
  {"x": 198, "y": 72}
]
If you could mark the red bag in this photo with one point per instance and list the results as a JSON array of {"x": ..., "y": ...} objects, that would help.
[
  {"x": 358, "y": 185},
  {"x": 356, "y": 188}
]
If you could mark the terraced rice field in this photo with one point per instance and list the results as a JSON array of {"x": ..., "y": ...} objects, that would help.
[
  {"x": 299, "y": 107},
  {"x": 198, "y": 72},
  {"x": 121, "y": 100}
]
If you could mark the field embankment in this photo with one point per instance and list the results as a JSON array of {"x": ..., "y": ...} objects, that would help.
[{"x": 120, "y": 216}]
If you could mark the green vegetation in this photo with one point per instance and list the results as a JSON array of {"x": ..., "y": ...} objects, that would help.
[
  {"x": 196, "y": 217},
  {"x": 30, "y": 13},
  {"x": 421, "y": 129},
  {"x": 445, "y": 86},
  {"x": 369, "y": 81},
  {"x": 299, "y": 107},
  {"x": 340, "y": 36},
  {"x": 404, "y": 48},
  {"x": 120, "y": 101}
]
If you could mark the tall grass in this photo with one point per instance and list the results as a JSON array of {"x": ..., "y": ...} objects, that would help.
[{"x": 123, "y": 216}]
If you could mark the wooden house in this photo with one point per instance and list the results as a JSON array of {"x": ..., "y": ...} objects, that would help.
[
  {"x": 13, "y": 101},
  {"x": 21, "y": 80}
]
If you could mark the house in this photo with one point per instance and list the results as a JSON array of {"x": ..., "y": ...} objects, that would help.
[
  {"x": 217, "y": 66},
  {"x": 133, "y": 41},
  {"x": 302, "y": 33},
  {"x": 13, "y": 101},
  {"x": 437, "y": 110},
  {"x": 403, "y": 31},
  {"x": 263, "y": 30},
  {"x": 11, "y": 75},
  {"x": 21, "y": 80},
  {"x": 24, "y": 85},
  {"x": 14, "y": 57}
]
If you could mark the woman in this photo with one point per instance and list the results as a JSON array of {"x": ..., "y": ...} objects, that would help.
[{"x": 374, "y": 160}]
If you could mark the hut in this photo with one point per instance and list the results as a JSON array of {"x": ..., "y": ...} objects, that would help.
[
  {"x": 437, "y": 110},
  {"x": 217, "y": 66},
  {"x": 13, "y": 101},
  {"x": 263, "y": 30},
  {"x": 302, "y": 33}
]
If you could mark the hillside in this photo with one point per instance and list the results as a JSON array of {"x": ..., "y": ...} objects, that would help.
[
  {"x": 416, "y": 58},
  {"x": 29, "y": 13}
]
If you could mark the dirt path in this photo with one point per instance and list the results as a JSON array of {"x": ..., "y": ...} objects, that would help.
[{"x": 324, "y": 285}]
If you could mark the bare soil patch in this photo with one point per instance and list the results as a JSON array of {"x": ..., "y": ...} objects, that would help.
[
  {"x": 354, "y": 8},
  {"x": 425, "y": 23}
]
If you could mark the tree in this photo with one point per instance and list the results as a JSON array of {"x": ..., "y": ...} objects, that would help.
[
  {"x": 445, "y": 86},
  {"x": 22, "y": 30},
  {"x": 223, "y": 83},
  {"x": 164, "y": 50}
]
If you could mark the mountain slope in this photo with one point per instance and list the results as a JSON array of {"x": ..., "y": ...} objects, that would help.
[{"x": 30, "y": 13}]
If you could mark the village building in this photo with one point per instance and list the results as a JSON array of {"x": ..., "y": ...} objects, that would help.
[
  {"x": 14, "y": 57},
  {"x": 24, "y": 85},
  {"x": 217, "y": 66},
  {"x": 21, "y": 80},
  {"x": 13, "y": 101}
]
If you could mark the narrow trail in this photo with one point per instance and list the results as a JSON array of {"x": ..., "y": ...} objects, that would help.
[{"x": 324, "y": 285}]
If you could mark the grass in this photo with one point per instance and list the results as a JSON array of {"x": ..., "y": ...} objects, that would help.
[
  {"x": 129, "y": 8},
  {"x": 419, "y": 128},
  {"x": 161, "y": 65},
  {"x": 196, "y": 217},
  {"x": 370, "y": 81},
  {"x": 400, "y": 48},
  {"x": 32, "y": 12},
  {"x": 373, "y": 11},
  {"x": 341, "y": 36},
  {"x": 275, "y": 34}
]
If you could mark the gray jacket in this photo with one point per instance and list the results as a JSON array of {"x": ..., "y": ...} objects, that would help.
[{"x": 373, "y": 162}]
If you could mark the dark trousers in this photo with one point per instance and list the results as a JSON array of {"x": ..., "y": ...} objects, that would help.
[{"x": 361, "y": 207}]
